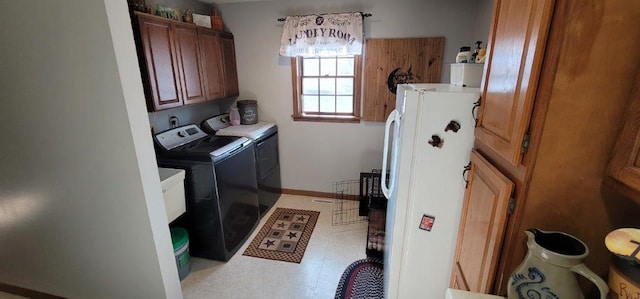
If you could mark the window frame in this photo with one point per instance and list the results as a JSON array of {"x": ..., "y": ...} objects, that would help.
[{"x": 296, "y": 78}]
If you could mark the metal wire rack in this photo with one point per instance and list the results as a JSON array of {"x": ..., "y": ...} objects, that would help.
[
  {"x": 346, "y": 203},
  {"x": 354, "y": 198}
]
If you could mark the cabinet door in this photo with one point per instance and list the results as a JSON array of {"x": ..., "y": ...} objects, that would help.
[
  {"x": 230, "y": 72},
  {"x": 625, "y": 161},
  {"x": 161, "y": 62},
  {"x": 211, "y": 63},
  {"x": 515, "y": 52},
  {"x": 189, "y": 64},
  {"x": 482, "y": 226}
]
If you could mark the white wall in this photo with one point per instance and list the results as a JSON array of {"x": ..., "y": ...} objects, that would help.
[
  {"x": 314, "y": 155},
  {"x": 81, "y": 210},
  {"x": 483, "y": 21}
]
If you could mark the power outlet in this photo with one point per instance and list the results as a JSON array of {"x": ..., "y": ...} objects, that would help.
[{"x": 173, "y": 122}]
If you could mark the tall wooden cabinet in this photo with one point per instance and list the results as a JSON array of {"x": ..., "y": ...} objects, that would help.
[
  {"x": 483, "y": 216},
  {"x": 517, "y": 46},
  {"x": 557, "y": 82},
  {"x": 184, "y": 64}
]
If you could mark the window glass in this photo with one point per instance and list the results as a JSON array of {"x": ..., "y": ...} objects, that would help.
[
  {"x": 345, "y": 66},
  {"x": 327, "y": 86},
  {"x": 311, "y": 67},
  {"x": 310, "y": 86},
  {"x": 310, "y": 103},
  {"x": 328, "y": 104},
  {"x": 344, "y": 86},
  {"x": 344, "y": 104},
  {"x": 327, "y": 66}
]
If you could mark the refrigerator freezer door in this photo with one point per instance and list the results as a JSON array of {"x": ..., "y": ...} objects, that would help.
[{"x": 428, "y": 185}]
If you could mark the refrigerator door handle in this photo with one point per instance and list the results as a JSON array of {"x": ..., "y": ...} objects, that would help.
[{"x": 393, "y": 117}]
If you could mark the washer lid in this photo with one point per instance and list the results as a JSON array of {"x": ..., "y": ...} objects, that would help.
[
  {"x": 239, "y": 142},
  {"x": 205, "y": 146}
]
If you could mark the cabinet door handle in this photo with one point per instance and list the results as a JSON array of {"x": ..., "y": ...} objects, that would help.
[
  {"x": 465, "y": 175},
  {"x": 475, "y": 110}
]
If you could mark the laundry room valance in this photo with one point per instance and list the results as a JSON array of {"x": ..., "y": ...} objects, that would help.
[{"x": 322, "y": 35}]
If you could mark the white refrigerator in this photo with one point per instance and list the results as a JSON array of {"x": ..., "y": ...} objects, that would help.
[{"x": 428, "y": 142}]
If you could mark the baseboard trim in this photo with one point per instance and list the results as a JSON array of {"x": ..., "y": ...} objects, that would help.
[
  {"x": 320, "y": 194},
  {"x": 11, "y": 289},
  {"x": 307, "y": 193}
]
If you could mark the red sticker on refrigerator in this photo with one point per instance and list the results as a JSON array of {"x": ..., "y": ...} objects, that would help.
[{"x": 427, "y": 222}]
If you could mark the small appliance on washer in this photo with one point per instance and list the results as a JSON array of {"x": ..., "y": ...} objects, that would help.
[
  {"x": 220, "y": 186},
  {"x": 265, "y": 137}
]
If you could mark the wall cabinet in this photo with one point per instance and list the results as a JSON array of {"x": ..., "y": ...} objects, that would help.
[
  {"x": 190, "y": 65},
  {"x": 184, "y": 64},
  {"x": 230, "y": 70},
  {"x": 164, "y": 84},
  {"x": 212, "y": 63},
  {"x": 550, "y": 80},
  {"x": 519, "y": 35}
]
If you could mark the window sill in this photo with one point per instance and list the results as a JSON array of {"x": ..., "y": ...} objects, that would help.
[{"x": 330, "y": 119}]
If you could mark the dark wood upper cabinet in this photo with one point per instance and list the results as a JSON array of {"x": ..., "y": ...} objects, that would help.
[
  {"x": 189, "y": 64},
  {"x": 184, "y": 64},
  {"x": 210, "y": 50},
  {"x": 161, "y": 63},
  {"x": 230, "y": 72}
]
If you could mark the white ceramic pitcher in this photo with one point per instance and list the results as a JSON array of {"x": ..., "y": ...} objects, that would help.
[{"x": 547, "y": 271}]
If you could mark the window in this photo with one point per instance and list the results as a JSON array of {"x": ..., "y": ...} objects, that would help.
[{"x": 326, "y": 88}]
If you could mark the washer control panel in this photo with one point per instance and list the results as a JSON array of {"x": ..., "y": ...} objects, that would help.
[
  {"x": 179, "y": 136},
  {"x": 216, "y": 123}
]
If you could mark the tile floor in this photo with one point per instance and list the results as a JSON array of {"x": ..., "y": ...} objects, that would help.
[{"x": 330, "y": 250}]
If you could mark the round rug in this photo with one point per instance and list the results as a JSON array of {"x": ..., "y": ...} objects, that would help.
[{"x": 362, "y": 279}]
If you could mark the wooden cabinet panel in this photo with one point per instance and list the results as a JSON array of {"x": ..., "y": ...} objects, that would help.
[
  {"x": 580, "y": 99},
  {"x": 189, "y": 64},
  {"x": 482, "y": 226},
  {"x": 160, "y": 57},
  {"x": 230, "y": 72},
  {"x": 515, "y": 54},
  {"x": 624, "y": 166},
  {"x": 392, "y": 61},
  {"x": 182, "y": 63},
  {"x": 211, "y": 63}
]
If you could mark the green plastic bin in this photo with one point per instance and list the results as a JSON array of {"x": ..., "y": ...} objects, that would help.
[{"x": 180, "y": 240}]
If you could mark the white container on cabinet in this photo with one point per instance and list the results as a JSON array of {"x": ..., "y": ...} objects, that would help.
[{"x": 466, "y": 74}]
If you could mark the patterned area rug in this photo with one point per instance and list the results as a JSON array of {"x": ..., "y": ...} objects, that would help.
[
  {"x": 284, "y": 236},
  {"x": 362, "y": 279}
]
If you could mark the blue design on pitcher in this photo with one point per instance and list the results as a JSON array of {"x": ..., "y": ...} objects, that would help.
[{"x": 531, "y": 286}]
